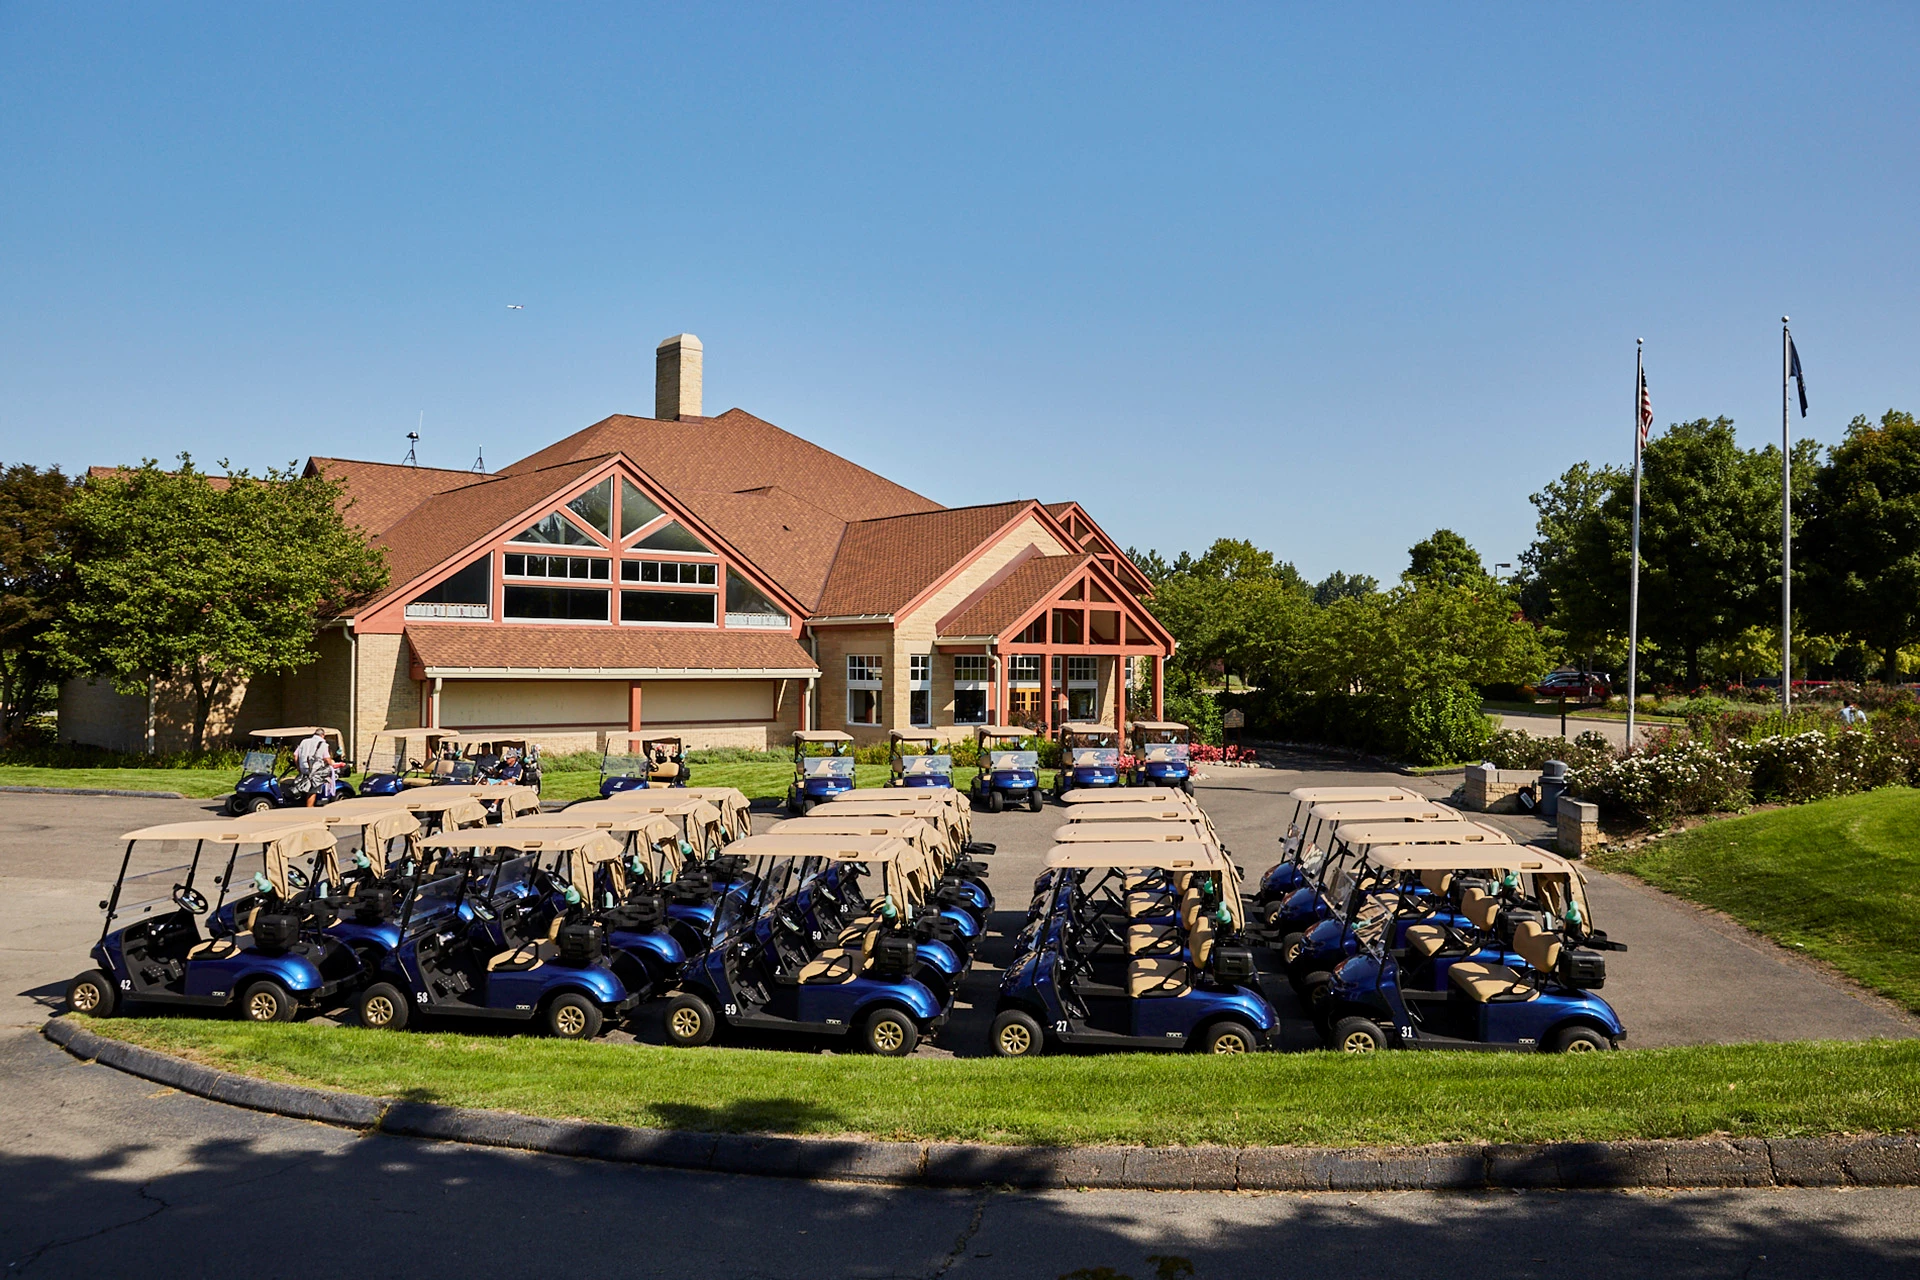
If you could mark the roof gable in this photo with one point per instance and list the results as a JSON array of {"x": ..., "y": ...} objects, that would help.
[
  {"x": 383, "y": 493},
  {"x": 882, "y": 566}
]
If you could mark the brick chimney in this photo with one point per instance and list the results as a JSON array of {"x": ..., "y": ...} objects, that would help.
[{"x": 676, "y": 378}]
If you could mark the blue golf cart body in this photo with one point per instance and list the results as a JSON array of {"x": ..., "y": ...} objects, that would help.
[
  {"x": 930, "y": 767},
  {"x": 1009, "y": 773},
  {"x": 822, "y": 768},
  {"x": 1033, "y": 982},
  {"x": 1089, "y": 757},
  {"x": 1161, "y": 752},
  {"x": 1368, "y": 986},
  {"x": 261, "y": 787}
]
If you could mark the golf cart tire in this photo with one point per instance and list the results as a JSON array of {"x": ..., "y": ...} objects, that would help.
[
  {"x": 1229, "y": 1035},
  {"x": 1035, "y": 801},
  {"x": 571, "y": 1016},
  {"x": 1291, "y": 945},
  {"x": 995, "y": 802},
  {"x": 690, "y": 1021},
  {"x": 383, "y": 1007},
  {"x": 266, "y": 1001},
  {"x": 1313, "y": 985},
  {"x": 253, "y": 804},
  {"x": 1358, "y": 1035},
  {"x": 1578, "y": 1039},
  {"x": 1186, "y": 785},
  {"x": 889, "y": 1033},
  {"x": 1018, "y": 1034},
  {"x": 93, "y": 994}
]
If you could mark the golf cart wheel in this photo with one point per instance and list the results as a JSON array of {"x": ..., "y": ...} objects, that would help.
[
  {"x": 383, "y": 1006},
  {"x": 1017, "y": 1035},
  {"x": 1314, "y": 985},
  {"x": 252, "y": 804},
  {"x": 571, "y": 1016},
  {"x": 1358, "y": 1035},
  {"x": 995, "y": 802},
  {"x": 1228, "y": 1037},
  {"x": 93, "y": 994},
  {"x": 1035, "y": 800},
  {"x": 1578, "y": 1040},
  {"x": 690, "y": 1021},
  {"x": 266, "y": 1001},
  {"x": 1186, "y": 785},
  {"x": 891, "y": 1034},
  {"x": 1292, "y": 945}
]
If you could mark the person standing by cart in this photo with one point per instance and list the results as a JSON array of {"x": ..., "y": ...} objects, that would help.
[{"x": 314, "y": 761}]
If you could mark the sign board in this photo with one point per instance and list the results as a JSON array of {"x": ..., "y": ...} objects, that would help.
[{"x": 1234, "y": 719}]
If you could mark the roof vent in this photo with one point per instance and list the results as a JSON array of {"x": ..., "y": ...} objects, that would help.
[{"x": 676, "y": 378}]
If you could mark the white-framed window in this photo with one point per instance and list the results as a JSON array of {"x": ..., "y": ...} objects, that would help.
[
  {"x": 863, "y": 688},
  {"x": 465, "y": 594},
  {"x": 920, "y": 690},
  {"x": 1023, "y": 668},
  {"x": 970, "y": 688},
  {"x": 584, "y": 568},
  {"x": 1083, "y": 688},
  {"x": 687, "y": 574},
  {"x": 1082, "y": 671}
]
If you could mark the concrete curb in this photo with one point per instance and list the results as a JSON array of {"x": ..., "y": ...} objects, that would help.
[
  {"x": 1860, "y": 1160},
  {"x": 94, "y": 791}
]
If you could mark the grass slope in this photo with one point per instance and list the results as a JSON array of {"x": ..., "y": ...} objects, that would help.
[
  {"x": 198, "y": 783},
  {"x": 1839, "y": 878},
  {"x": 1263, "y": 1099}
]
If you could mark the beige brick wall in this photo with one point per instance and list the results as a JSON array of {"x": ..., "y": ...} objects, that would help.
[
  {"x": 388, "y": 697},
  {"x": 91, "y": 713},
  {"x": 838, "y": 642}
]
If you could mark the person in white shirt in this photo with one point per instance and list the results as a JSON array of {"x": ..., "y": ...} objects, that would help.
[{"x": 314, "y": 760}]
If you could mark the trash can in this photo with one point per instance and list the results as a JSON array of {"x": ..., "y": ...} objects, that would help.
[{"x": 1553, "y": 785}]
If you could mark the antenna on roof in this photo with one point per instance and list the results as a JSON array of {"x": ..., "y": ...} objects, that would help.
[
  {"x": 480, "y": 461},
  {"x": 413, "y": 439}
]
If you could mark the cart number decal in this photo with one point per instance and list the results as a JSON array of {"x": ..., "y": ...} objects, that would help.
[
  {"x": 420, "y": 997},
  {"x": 732, "y": 1009},
  {"x": 126, "y": 984},
  {"x": 1060, "y": 1026}
]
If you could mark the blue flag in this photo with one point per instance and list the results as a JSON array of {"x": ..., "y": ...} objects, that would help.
[{"x": 1793, "y": 371}]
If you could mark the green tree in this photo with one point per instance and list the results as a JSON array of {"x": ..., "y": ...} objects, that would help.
[
  {"x": 33, "y": 529},
  {"x": 1236, "y": 560},
  {"x": 1151, "y": 563},
  {"x": 1556, "y": 585},
  {"x": 1859, "y": 552},
  {"x": 1446, "y": 558},
  {"x": 207, "y": 581},
  {"x": 1344, "y": 586}
]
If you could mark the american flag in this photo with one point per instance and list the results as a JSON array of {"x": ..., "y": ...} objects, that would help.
[{"x": 1646, "y": 410}]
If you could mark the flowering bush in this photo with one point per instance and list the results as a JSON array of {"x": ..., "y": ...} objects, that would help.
[
  {"x": 1813, "y": 765},
  {"x": 1205, "y": 754},
  {"x": 1677, "y": 776},
  {"x": 1517, "y": 749}
]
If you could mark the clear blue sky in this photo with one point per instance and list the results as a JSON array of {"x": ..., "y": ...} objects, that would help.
[{"x": 1320, "y": 281}]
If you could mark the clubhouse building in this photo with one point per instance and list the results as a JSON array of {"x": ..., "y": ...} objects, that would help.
[{"x": 714, "y": 577}]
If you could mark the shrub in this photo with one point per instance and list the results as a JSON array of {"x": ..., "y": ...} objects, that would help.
[
  {"x": 1515, "y": 749},
  {"x": 1444, "y": 724},
  {"x": 1677, "y": 775},
  {"x": 1199, "y": 711},
  {"x": 75, "y": 756},
  {"x": 1812, "y": 765}
]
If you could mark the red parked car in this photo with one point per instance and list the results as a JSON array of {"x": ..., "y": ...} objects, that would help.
[{"x": 1582, "y": 686}]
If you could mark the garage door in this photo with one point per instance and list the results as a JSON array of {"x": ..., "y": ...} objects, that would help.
[
  {"x": 552, "y": 704},
  {"x": 705, "y": 701}
]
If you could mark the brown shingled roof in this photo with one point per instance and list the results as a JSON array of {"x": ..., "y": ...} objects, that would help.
[
  {"x": 993, "y": 610},
  {"x": 536, "y": 648},
  {"x": 780, "y": 533},
  {"x": 883, "y": 564},
  {"x": 733, "y": 453},
  {"x": 383, "y": 492}
]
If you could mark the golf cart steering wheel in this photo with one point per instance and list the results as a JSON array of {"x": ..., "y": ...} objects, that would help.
[
  {"x": 189, "y": 899},
  {"x": 296, "y": 878}
]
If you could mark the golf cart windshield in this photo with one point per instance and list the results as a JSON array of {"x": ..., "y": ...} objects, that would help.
[
  {"x": 827, "y": 766},
  {"x": 918, "y": 766},
  {"x": 623, "y": 766},
  {"x": 146, "y": 892},
  {"x": 434, "y": 899},
  {"x": 1165, "y": 752},
  {"x": 514, "y": 875},
  {"x": 1095, "y": 757},
  {"x": 1003, "y": 761},
  {"x": 462, "y": 771},
  {"x": 265, "y": 762}
]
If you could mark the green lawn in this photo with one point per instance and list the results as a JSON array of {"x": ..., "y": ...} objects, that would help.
[
  {"x": 1262, "y": 1099},
  {"x": 1839, "y": 878},
  {"x": 198, "y": 783}
]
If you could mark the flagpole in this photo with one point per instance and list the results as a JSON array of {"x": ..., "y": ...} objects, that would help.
[
  {"x": 1633, "y": 573},
  {"x": 1786, "y": 529}
]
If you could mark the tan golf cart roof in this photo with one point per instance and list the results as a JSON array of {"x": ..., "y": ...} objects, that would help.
[
  {"x": 1139, "y": 811},
  {"x": 1148, "y": 726},
  {"x": 1097, "y": 832},
  {"x": 821, "y": 735},
  {"x": 947, "y": 795},
  {"x": 529, "y": 837},
  {"x": 1165, "y": 855},
  {"x": 820, "y": 823},
  {"x": 383, "y": 819},
  {"x": 838, "y": 848},
  {"x": 1379, "y": 833},
  {"x": 519, "y": 796},
  {"x": 645, "y": 735},
  {"x": 606, "y": 817},
  {"x": 1087, "y": 726},
  {"x": 1467, "y": 857},
  {"x": 296, "y": 731},
  {"x": 1001, "y": 731},
  {"x": 668, "y": 800},
  {"x": 1316, "y": 795},
  {"x": 883, "y": 807},
  {"x": 912, "y": 735},
  {"x": 1130, "y": 795},
  {"x": 454, "y": 808},
  {"x": 293, "y": 835},
  {"x": 1382, "y": 811}
]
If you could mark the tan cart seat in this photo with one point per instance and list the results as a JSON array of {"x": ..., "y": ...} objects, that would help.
[
  {"x": 1490, "y": 983},
  {"x": 1155, "y": 976},
  {"x": 1424, "y": 940},
  {"x": 1151, "y": 939}
]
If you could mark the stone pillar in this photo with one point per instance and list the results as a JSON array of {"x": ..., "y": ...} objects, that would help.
[{"x": 1579, "y": 827}]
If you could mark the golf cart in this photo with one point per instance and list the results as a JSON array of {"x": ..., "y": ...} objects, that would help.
[
  {"x": 1325, "y": 888},
  {"x": 925, "y": 768},
  {"x": 1009, "y": 773},
  {"x": 259, "y": 951},
  {"x": 956, "y": 889},
  {"x": 1305, "y": 848},
  {"x": 268, "y": 778},
  {"x": 822, "y": 768},
  {"x": 1142, "y": 952},
  {"x": 1160, "y": 752},
  {"x": 502, "y": 802},
  {"x": 765, "y": 969},
  {"x": 1521, "y": 979},
  {"x": 487, "y": 941},
  {"x": 637, "y": 760},
  {"x": 1089, "y": 757}
]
